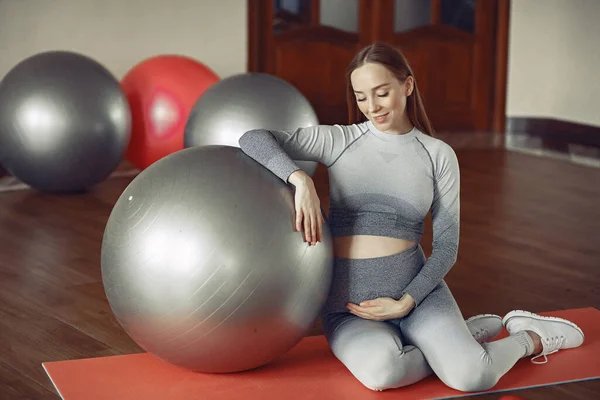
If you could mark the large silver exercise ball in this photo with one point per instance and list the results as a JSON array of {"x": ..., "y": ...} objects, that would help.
[
  {"x": 243, "y": 102},
  {"x": 64, "y": 122},
  {"x": 202, "y": 266}
]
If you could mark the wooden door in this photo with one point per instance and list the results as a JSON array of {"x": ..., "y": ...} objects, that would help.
[
  {"x": 451, "y": 45},
  {"x": 295, "y": 41}
]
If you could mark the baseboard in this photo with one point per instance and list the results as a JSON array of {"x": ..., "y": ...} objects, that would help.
[{"x": 555, "y": 129}]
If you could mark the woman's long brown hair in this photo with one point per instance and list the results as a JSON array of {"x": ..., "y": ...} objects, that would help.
[{"x": 394, "y": 60}]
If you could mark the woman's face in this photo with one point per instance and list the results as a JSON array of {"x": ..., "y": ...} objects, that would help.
[{"x": 381, "y": 97}]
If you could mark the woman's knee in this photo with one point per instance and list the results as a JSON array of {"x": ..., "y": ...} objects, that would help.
[
  {"x": 469, "y": 375},
  {"x": 383, "y": 370},
  {"x": 438, "y": 329},
  {"x": 374, "y": 355}
]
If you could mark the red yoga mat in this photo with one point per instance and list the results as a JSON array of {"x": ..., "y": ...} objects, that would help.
[{"x": 308, "y": 371}]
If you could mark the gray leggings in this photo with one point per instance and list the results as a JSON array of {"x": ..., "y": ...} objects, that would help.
[{"x": 432, "y": 338}]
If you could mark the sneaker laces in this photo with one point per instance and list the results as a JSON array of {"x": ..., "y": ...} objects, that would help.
[{"x": 550, "y": 345}]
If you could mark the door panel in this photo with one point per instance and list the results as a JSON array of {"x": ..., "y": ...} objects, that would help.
[
  {"x": 316, "y": 69},
  {"x": 442, "y": 60},
  {"x": 312, "y": 52},
  {"x": 452, "y": 58}
]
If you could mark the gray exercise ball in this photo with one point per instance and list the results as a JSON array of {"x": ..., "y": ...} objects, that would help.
[
  {"x": 202, "y": 266},
  {"x": 64, "y": 122},
  {"x": 243, "y": 102}
]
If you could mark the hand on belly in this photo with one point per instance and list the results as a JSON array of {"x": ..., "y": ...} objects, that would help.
[{"x": 382, "y": 308}]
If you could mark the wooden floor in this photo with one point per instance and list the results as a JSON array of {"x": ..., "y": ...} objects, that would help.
[{"x": 529, "y": 239}]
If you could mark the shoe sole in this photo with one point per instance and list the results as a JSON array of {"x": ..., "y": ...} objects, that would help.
[
  {"x": 529, "y": 314},
  {"x": 480, "y": 316}
]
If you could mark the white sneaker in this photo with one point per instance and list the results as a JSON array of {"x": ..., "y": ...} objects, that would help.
[
  {"x": 485, "y": 327},
  {"x": 555, "y": 333}
]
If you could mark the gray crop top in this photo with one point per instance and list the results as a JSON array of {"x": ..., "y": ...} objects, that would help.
[{"x": 380, "y": 184}]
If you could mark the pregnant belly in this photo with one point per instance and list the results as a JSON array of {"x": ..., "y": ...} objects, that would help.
[{"x": 356, "y": 280}]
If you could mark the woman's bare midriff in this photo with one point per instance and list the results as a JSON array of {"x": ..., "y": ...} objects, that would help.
[{"x": 363, "y": 246}]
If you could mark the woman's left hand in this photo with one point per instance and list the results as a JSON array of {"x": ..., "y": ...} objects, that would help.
[{"x": 382, "y": 308}]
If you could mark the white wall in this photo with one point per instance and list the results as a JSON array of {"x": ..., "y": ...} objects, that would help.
[
  {"x": 121, "y": 33},
  {"x": 554, "y": 60}
]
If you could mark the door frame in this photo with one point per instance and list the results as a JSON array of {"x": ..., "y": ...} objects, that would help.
[
  {"x": 258, "y": 42},
  {"x": 501, "y": 67}
]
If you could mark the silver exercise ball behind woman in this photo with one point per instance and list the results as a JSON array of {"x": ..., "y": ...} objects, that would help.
[
  {"x": 202, "y": 266},
  {"x": 64, "y": 122},
  {"x": 243, "y": 102}
]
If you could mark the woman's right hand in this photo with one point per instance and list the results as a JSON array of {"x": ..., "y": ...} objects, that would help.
[{"x": 308, "y": 207}]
